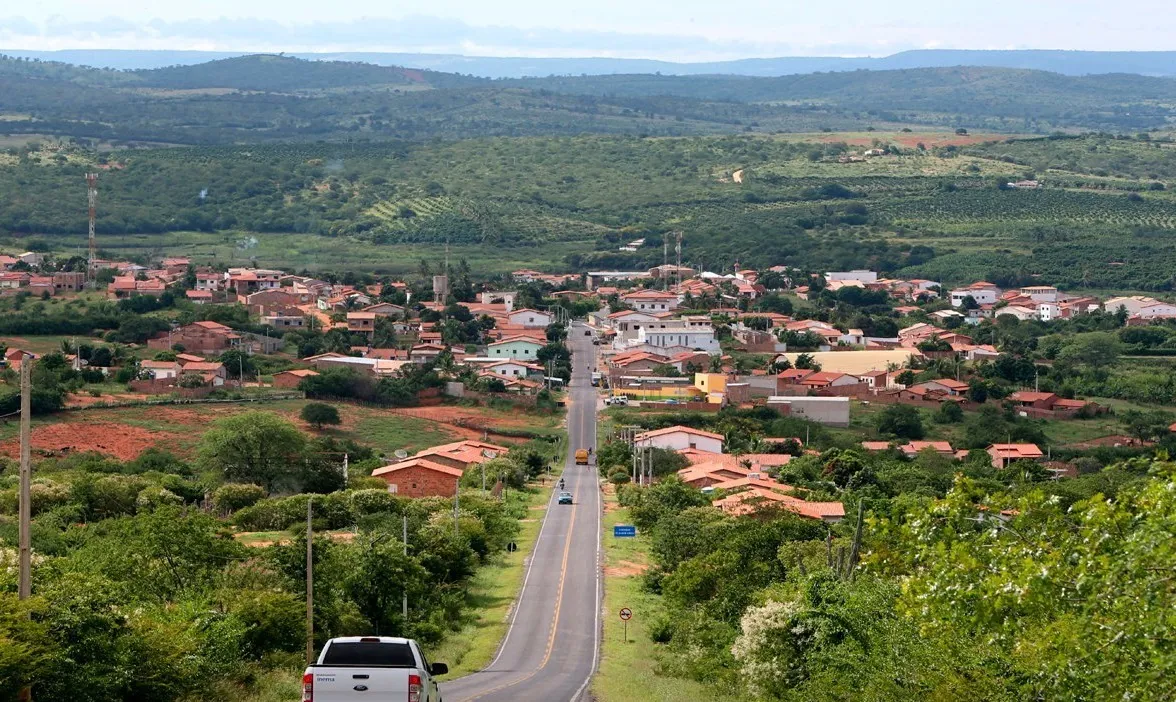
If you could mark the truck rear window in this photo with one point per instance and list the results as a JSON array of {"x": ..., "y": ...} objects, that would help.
[{"x": 361, "y": 653}]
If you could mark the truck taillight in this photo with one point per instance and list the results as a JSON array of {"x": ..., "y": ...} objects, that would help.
[
  {"x": 308, "y": 687},
  {"x": 414, "y": 688}
]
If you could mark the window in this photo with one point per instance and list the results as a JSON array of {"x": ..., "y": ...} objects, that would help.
[{"x": 362, "y": 653}]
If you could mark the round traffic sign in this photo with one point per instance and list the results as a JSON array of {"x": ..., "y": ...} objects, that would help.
[{"x": 626, "y": 614}]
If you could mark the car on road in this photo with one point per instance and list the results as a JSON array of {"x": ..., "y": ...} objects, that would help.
[
  {"x": 565, "y": 498},
  {"x": 587, "y": 332},
  {"x": 370, "y": 668},
  {"x": 673, "y": 402}
]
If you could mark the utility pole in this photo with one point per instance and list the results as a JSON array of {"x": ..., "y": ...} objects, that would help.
[
  {"x": 456, "y": 503},
  {"x": 404, "y": 601},
  {"x": 309, "y": 585},
  {"x": 345, "y": 468},
  {"x": 25, "y": 586},
  {"x": 26, "y": 474}
]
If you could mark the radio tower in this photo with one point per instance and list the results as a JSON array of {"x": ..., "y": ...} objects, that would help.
[{"x": 92, "y": 192}]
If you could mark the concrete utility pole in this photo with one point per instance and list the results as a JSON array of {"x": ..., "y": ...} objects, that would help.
[
  {"x": 456, "y": 502},
  {"x": 309, "y": 585},
  {"x": 25, "y": 587},
  {"x": 26, "y": 475},
  {"x": 404, "y": 601}
]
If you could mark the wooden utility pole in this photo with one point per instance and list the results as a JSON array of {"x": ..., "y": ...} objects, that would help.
[
  {"x": 309, "y": 585},
  {"x": 25, "y": 587}
]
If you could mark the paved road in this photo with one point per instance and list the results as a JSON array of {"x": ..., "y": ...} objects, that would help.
[{"x": 550, "y": 650}]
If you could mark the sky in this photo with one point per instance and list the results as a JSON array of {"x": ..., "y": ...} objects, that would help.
[{"x": 675, "y": 30}]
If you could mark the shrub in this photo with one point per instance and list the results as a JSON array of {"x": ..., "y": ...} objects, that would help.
[
  {"x": 231, "y": 497},
  {"x": 155, "y": 497},
  {"x": 318, "y": 413}
]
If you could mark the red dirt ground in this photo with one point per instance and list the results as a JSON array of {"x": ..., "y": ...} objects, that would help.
[
  {"x": 76, "y": 400},
  {"x": 118, "y": 440}
]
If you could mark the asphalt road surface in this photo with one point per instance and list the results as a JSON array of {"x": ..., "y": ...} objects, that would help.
[{"x": 550, "y": 649}]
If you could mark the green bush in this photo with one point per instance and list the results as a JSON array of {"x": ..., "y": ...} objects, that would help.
[{"x": 231, "y": 497}]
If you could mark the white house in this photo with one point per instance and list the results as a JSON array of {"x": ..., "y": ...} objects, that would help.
[
  {"x": 983, "y": 293},
  {"x": 681, "y": 335},
  {"x": 863, "y": 276},
  {"x": 1140, "y": 306},
  {"x": 679, "y": 438},
  {"x": 655, "y": 301},
  {"x": 161, "y": 370},
  {"x": 529, "y": 318},
  {"x": 1041, "y": 293},
  {"x": 1021, "y": 313},
  {"x": 509, "y": 369}
]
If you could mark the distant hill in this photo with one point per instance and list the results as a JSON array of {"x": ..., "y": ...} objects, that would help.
[
  {"x": 1073, "y": 63},
  {"x": 276, "y": 98},
  {"x": 266, "y": 72}
]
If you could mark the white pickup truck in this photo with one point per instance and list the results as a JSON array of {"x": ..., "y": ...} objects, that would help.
[{"x": 372, "y": 668}]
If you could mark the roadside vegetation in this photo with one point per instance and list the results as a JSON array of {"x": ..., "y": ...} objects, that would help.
[{"x": 153, "y": 581}]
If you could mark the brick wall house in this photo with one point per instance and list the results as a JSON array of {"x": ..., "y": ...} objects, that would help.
[{"x": 420, "y": 477}]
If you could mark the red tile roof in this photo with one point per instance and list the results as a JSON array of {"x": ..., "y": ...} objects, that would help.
[{"x": 417, "y": 463}]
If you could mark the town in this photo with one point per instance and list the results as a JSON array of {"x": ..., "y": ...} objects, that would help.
[{"x": 326, "y": 376}]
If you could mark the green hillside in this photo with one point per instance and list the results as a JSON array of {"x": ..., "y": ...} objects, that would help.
[
  {"x": 267, "y": 98},
  {"x": 575, "y": 201}
]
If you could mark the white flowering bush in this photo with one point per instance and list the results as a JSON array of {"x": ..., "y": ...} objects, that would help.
[{"x": 770, "y": 649}]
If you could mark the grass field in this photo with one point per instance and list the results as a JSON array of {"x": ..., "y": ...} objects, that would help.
[
  {"x": 628, "y": 668},
  {"x": 492, "y": 594}
]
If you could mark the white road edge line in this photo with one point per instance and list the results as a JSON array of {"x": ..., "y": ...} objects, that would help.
[
  {"x": 599, "y": 565},
  {"x": 518, "y": 605}
]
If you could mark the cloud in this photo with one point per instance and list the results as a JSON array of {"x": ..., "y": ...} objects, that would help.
[{"x": 410, "y": 34}]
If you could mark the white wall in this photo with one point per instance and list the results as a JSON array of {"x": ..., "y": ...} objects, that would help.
[{"x": 680, "y": 440}]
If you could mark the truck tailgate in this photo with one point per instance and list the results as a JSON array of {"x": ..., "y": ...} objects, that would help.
[{"x": 351, "y": 684}]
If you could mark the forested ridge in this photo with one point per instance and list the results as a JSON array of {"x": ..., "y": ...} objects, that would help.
[
  {"x": 1101, "y": 219},
  {"x": 268, "y": 98}
]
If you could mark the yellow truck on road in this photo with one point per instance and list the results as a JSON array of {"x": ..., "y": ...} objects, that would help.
[{"x": 581, "y": 457}]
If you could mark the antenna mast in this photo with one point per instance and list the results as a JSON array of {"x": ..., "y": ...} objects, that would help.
[{"x": 92, "y": 194}]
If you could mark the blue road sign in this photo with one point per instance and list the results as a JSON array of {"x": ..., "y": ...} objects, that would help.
[{"x": 621, "y": 531}]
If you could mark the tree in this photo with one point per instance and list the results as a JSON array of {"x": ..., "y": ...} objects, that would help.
[
  {"x": 1096, "y": 350},
  {"x": 806, "y": 361},
  {"x": 257, "y": 446},
  {"x": 949, "y": 413},
  {"x": 238, "y": 364},
  {"x": 319, "y": 413},
  {"x": 1062, "y": 595},
  {"x": 902, "y": 421},
  {"x": 1146, "y": 425}
]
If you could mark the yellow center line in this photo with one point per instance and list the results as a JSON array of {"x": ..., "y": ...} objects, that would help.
[{"x": 563, "y": 572}]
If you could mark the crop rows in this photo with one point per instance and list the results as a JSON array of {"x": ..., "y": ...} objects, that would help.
[
  {"x": 391, "y": 212},
  {"x": 1035, "y": 206}
]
